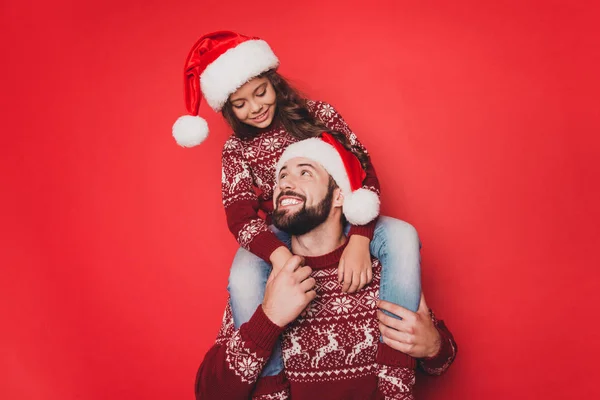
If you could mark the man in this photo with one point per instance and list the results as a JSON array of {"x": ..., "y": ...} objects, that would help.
[{"x": 330, "y": 339}]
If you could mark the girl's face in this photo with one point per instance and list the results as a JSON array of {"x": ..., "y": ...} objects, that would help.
[{"x": 254, "y": 103}]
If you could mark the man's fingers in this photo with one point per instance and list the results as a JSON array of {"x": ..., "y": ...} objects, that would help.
[
  {"x": 394, "y": 334},
  {"x": 392, "y": 322},
  {"x": 311, "y": 295},
  {"x": 341, "y": 271},
  {"x": 308, "y": 284},
  {"x": 302, "y": 273},
  {"x": 396, "y": 345},
  {"x": 397, "y": 310},
  {"x": 369, "y": 275}
]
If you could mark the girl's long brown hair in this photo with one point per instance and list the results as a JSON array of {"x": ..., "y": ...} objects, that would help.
[{"x": 292, "y": 113}]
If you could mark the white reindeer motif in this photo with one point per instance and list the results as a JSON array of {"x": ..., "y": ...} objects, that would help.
[
  {"x": 383, "y": 375},
  {"x": 365, "y": 344},
  {"x": 237, "y": 178},
  {"x": 330, "y": 347},
  {"x": 296, "y": 348}
]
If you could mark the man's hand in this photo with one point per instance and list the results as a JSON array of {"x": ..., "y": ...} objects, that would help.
[
  {"x": 355, "y": 269},
  {"x": 415, "y": 334},
  {"x": 288, "y": 292}
]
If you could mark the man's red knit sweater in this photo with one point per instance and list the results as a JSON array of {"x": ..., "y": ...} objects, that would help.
[{"x": 332, "y": 351}]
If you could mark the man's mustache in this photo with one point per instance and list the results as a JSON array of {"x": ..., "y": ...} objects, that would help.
[{"x": 290, "y": 193}]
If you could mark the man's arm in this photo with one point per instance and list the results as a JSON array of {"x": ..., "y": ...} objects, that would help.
[{"x": 231, "y": 368}]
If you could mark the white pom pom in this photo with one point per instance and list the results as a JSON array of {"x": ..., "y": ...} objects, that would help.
[
  {"x": 361, "y": 206},
  {"x": 190, "y": 131}
]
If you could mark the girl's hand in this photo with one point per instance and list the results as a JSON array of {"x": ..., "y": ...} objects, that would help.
[
  {"x": 278, "y": 258},
  {"x": 355, "y": 269}
]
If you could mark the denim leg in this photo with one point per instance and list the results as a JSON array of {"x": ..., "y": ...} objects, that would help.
[
  {"x": 396, "y": 244},
  {"x": 247, "y": 279}
]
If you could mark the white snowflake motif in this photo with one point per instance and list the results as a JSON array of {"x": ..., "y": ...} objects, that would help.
[
  {"x": 353, "y": 139},
  {"x": 248, "y": 366},
  {"x": 371, "y": 299},
  {"x": 230, "y": 145},
  {"x": 308, "y": 312},
  {"x": 271, "y": 144},
  {"x": 247, "y": 234},
  {"x": 327, "y": 111},
  {"x": 341, "y": 305},
  {"x": 250, "y": 152}
]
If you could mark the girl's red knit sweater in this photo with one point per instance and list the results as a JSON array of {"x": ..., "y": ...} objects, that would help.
[{"x": 250, "y": 163}]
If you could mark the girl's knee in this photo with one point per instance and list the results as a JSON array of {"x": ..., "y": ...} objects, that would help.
[
  {"x": 401, "y": 231},
  {"x": 247, "y": 273}
]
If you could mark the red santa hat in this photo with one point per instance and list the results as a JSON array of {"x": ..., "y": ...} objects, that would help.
[
  {"x": 361, "y": 206},
  {"x": 217, "y": 65}
]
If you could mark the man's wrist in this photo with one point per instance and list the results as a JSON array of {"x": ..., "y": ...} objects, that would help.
[
  {"x": 437, "y": 346},
  {"x": 271, "y": 317}
]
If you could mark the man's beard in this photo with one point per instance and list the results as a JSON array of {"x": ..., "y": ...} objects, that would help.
[{"x": 306, "y": 219}]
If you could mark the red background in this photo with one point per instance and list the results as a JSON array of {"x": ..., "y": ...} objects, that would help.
[{"x": 482, "y": 120}]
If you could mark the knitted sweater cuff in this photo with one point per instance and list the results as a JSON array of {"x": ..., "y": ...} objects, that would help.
[
  {"x": 261, "y": 331},
  {"x": 445, "y": 352},
  {"x": 394, "y": 358},
  {"x": 265, "y": 244},
  {"x": 367, "y": 230}
]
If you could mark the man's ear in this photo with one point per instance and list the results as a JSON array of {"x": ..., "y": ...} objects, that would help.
[{"x": 338, "y": 197}]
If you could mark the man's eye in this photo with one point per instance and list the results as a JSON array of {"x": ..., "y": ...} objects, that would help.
[
  {"x": 282, "y": 176},
  {"x": 305, "y": 173}
]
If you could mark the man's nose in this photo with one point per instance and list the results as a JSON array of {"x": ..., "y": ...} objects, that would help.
[{"x": 287, "y": 183}]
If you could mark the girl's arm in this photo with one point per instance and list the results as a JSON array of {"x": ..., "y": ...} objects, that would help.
[{"x": 241, "y": 205}]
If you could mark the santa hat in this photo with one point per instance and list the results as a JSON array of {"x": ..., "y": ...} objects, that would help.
[
  {"x": 217, "y": 65},
  {"x": 361, "y": 206}
]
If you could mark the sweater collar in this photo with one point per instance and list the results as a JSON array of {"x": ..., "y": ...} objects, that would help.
[{"x": 326, "y": 260}]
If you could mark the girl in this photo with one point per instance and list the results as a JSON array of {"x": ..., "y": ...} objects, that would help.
[{"x": 237, "y": 75}]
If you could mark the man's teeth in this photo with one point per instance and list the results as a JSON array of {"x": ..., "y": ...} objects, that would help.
[{"x": 288, "y": 202}]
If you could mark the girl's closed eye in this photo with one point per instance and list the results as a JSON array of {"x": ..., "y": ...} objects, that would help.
[
  {"x": 262, "y": 94},
  {"x": 239, "y": 105}
]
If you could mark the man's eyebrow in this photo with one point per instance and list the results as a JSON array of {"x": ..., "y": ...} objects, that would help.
[
  {"x": 282, "y": 168},
  {"x": 307, "y": 165}
]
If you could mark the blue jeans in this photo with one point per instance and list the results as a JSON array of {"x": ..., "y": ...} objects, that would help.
[{"x": 395, "y": 243}]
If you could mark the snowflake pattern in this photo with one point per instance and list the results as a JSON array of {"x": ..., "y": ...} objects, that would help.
[
  {"x": 371, "y": 299},
  {"x": 271, "y": 144},
  {"x": 243, "y": 362},
  {"x": 341, "y": 305},
  {"x": 250, "y": 231},
  {"x": 326, "y": 111}
]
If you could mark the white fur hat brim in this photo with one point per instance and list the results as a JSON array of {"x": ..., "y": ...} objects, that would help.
[
  {"x": 233, "y": 69},
  {"x": 361, "y": 206}
]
